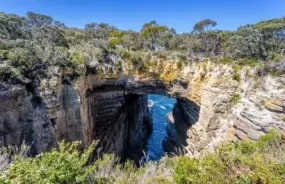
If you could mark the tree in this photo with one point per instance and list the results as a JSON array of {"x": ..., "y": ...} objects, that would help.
[
  {"x": 151, "y": 30},
  {"x": 247, "y": 42},
  {"x": 59, "y": 24},
  {"x": 101, "y": 30},
  {"x": 116, "y": 38},
  {"x": 273, "y": 32},
  {"x": 165, "y": 37},
  {"x": 211, "y": 42},
  {"x": 204, "y": 25},
  {"x": 132, "y": 40},
  {"x": 38, "y": 20},
  {"x": 12, "y": 27}
]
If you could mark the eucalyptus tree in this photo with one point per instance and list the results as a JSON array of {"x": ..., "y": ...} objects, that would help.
[
  {"x": 152, "y": 31},
  {"x": 12, "y": 27},
  {"x": 99, "y": 30},
  {"x": 248, "y": 42},
  {"x": 204, "y": 25},
  {"x": 38, "y": 20},
  {"x": 133, "y": 40}
]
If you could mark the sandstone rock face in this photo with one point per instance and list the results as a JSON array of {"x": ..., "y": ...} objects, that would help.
[
  {"x": 24, "y": 119},
  {"x": 63, "y": 103},
  {"x": 211, "y": 108},
  {"x": 120, "y": 119},
  {"x": 229, "y": 109}
]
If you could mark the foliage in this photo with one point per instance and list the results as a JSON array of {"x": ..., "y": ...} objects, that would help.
[
  {"x": 152, "y": 30},
  {"x": 236, "y": 69},
  {"x": 239, "y": 162},
  {"x": 38, "y": 20},
  {"x": 247, "y": 42},
  {"x": 247, "y": 161},
  {"x": 204, "y": 25},
  {"x": 65, "y": 165},
  {"x": 36, "y": 39}
]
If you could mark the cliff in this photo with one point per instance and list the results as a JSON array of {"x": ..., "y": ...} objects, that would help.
[
  {"x": 215, "y": 103},
  {"x": 229, "y": 109}
]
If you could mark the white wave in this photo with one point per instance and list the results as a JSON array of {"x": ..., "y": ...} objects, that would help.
[{"x": 162, "y": 107}]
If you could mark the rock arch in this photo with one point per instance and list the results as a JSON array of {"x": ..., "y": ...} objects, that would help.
[{"x": 120, "y": 120}]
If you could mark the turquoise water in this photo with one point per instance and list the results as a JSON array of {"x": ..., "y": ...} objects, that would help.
[{"x": 162, "y": 106}]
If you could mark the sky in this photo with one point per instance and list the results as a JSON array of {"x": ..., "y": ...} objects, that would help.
[{"x": 132, "y": 14}]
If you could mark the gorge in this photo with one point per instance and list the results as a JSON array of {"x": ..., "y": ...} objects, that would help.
[{"x": 114, "y": 112}]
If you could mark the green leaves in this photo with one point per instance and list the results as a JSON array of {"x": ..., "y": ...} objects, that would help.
[
  {"x": 236, "y": 162},
  {"x": 65, "y": 165},
  {"x": 151, "y": 30},
  {"x": 38, "y": 20},
  {"x": 204, "y": 25}
]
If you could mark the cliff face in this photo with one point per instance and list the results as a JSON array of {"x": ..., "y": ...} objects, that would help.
[
  {"x": 58, "y": 109},
  {"x": 230, "y": 109},
  {"x": 121, "y": 122},
  {"x": 212, "y": 107},
  {"x": 24, "y": 119}
]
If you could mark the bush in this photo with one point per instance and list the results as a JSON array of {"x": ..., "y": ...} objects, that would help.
[
  {"x": 236, "y": 75},
  {"x": 238, "y": 162},
  {"x": 8, "y": 72},
  {"x": 235, "y": 99},
  {"x": 22, "y": 57},
  {"x": 126, "y": 55},
  {"x": 226, "y": 60},
  {"x": 185, "y": 170},
  {"x": 65, "y": 165},
  {"x": 3, "y": 54}
]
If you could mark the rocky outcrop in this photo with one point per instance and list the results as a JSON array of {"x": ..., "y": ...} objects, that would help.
[
  {"x": 121, "y": 123},
  {"x": 229, "y": 109},
  {"x": 184, "y": 115},
  {"x": 212, "y": 107},
  {"x": 24, "y": 119},
  {"x": 119, "y": 118},
  {"x": 63, "y": 103}
]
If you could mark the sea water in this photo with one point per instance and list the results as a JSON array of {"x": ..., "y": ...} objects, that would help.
[{"x": 161, "y": 106}]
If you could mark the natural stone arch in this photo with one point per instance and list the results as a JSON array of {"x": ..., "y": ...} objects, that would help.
[{"x": 119, "y": 116}]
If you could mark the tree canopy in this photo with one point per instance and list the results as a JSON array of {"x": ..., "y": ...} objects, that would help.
[
  {"x": 26, "y": 41},
  {"x": 204, "y": 25}
]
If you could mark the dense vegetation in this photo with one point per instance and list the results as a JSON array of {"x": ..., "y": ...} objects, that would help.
[
  {"x": 240, "y": 162},
  {"x": 29, "y": 44}
]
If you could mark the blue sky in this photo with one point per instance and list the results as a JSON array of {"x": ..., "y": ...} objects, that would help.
[{"x": 131, "y": 14}]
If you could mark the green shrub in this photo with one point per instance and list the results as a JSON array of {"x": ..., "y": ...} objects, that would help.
[
  {"x": 180, "y": 64},
  {"x": 126, "y": 55},
  {"x": 176, "y": 94},
  {"x": 248, "y": 62},
  {"x": 137, "y": 58},
  {"x": 159, "y": 180},
  {"x": 247, "y": 147},
  {"x": 22, "y": 57},
  {"x": 235, "y": 99},
  {"x": 8, "y": 72},
  {"x": 236, "y": 75},
  {"x": 226, "y": 60},
  {"x": 186, "y": 170},
  {"x": 3, "y": 54},
  {"x": 75, "y": 59},
  {"x": 239, "y": 162},
  {"x": 182, "y": 58},
  {"x": 65, "y": 165},
  {"x": 162, "y": 56},
  {"x": 272, "y": 139}
]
